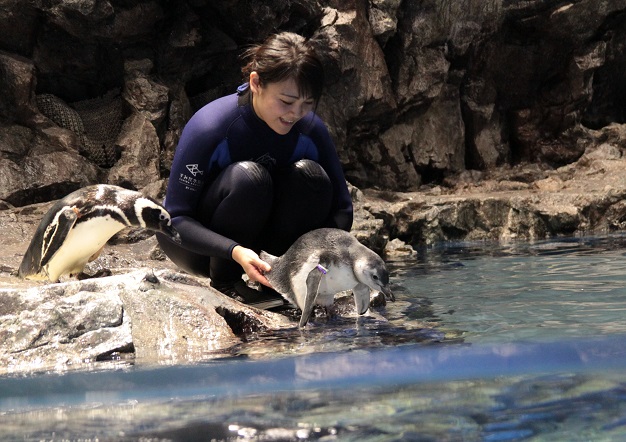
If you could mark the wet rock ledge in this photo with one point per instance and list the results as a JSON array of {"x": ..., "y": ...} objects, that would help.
[
  {"x": 156, "y": 316},
  {"x": 149, "y": 311}
]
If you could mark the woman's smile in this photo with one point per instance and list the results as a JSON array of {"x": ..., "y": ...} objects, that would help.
[{"x": 279, "y": 104}]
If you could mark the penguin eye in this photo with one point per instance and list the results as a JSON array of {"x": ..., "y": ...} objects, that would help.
[
  {"x": 162, "y": 216},
  {"x": 375, "y": 277}
]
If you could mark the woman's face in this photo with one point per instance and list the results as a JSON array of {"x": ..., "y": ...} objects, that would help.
[{"x": 279, "y": 104}]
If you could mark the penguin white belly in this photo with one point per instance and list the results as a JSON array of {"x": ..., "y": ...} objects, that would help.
[
  {"x": 82, "y": 242},
  {"x": 337, "y": 279}
]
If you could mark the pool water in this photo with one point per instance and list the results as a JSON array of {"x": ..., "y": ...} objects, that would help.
[
  {"x": 569, "y": 288},
  {"x": 528, "y": 342}
]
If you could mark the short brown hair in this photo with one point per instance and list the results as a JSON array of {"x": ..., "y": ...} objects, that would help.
[{"x": 283, "y": 56}]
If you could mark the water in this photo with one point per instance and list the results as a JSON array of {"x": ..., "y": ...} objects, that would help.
[
  {"x": 529, "y": 343},
  {"x": 549, "y": 290}
]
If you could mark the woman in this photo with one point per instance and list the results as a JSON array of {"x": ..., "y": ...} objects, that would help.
[{"x": 255, "y": 170}]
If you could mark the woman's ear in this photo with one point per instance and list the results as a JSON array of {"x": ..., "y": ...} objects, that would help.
[{"x": 255, "y": 82}]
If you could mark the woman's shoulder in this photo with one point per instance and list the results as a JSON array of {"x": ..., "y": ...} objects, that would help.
[
  {"x": 221, "y": 108},
  {"x": 211, "y": 122}
]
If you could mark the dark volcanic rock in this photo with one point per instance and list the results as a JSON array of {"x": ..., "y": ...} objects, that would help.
[{"x": 417, "y": 91}]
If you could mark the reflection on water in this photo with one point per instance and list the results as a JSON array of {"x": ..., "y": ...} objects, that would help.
[
  {"x": 456, "y": 392},
  {"x": 530, "y": 345}
]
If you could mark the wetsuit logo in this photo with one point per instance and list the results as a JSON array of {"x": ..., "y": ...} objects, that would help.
[{"x": 193, "y": 168}]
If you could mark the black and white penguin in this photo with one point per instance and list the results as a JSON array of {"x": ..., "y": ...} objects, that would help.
[
  {"x": 76, "y": 228},
  {"x": 322, "y": 263}
]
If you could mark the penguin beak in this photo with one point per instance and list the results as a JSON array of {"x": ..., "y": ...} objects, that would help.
[{"x": 171, "y": 232}]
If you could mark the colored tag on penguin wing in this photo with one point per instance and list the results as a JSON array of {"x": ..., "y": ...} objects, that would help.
[{"x": 322, "y": 269}]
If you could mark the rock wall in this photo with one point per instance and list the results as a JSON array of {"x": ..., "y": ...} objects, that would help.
[{"x": 417, "y": 90}]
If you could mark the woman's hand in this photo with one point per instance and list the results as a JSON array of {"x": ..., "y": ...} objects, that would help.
[{"x": 252, "y": 264}]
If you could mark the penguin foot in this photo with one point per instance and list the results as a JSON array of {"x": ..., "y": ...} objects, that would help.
[
  {"x": 330, "y": 311},
  {"x": 378, "y": 300},
  {"x": 293, "y": 313},
  {"x": 99, "y": 274}
]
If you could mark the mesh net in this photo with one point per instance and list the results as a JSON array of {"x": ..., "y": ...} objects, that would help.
[{"x": 97, "y": 122}]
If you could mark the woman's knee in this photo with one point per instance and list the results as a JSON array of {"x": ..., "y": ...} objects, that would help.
[
  {"x": 241, "y": 187},
  {"x": 303, "y": 198},
  {"x": 312, "y": 174},
  {"x": 245, "y": 181},
  {"x": 248, "y": 174}
]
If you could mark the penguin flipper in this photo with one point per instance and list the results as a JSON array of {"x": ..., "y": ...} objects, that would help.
[
  {"x": 312, "y": 288},
  {"x": 96, "y": 255},
  {"x": 56, "y": 232},
  {"x": 361, "y": 295}
]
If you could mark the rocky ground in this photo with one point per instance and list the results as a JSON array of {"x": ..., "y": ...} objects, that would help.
[
  {"x": 145, "y": 312},
  {"x": 148, "y": 310},
  {"x": 525, "y": 202}
]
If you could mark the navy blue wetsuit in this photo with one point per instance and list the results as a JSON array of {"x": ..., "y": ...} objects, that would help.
[{"x": 234, "y": 181}]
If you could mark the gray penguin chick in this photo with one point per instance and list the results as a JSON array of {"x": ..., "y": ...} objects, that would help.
[{"x": 322, "y": 263}]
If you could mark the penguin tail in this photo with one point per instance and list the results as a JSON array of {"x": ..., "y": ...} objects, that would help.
[
  {"x": 268, "y": 258},
  {"x": 28, "y": 268}
]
